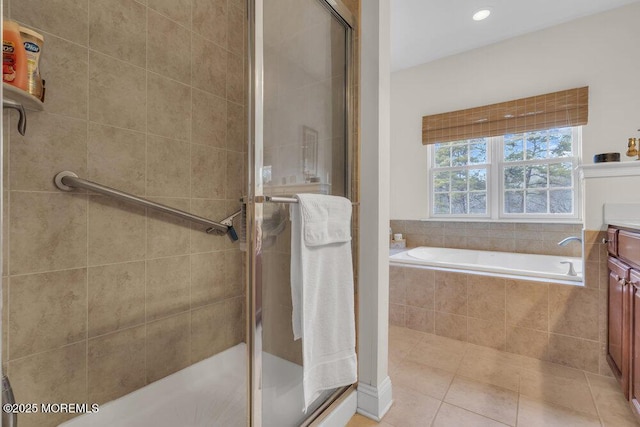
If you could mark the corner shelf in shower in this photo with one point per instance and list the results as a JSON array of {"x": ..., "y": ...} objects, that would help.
[{"x": 28, "y": 101}]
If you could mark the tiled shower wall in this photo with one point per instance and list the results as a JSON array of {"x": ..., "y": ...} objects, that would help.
[
  {"x": 531, "y": 238},
  {"x": 560, "y": 323},
  {"x": 101, "y": 298}
]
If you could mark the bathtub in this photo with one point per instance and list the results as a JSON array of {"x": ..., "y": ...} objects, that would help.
[{"x": 547, "y": 268}]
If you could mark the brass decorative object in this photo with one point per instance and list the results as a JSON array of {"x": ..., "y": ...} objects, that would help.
[{"x": 632, "y": 149}]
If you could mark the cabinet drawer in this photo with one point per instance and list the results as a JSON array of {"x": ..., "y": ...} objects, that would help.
[
  {"x": 619, "y": 268},
  {"x": 612, "y": 241},
  {"x": 629, "y": 247}
]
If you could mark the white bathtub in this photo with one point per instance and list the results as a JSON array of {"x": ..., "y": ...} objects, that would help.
[{"x": 546, "y": 268}]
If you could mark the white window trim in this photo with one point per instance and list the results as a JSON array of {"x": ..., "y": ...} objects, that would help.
[{"x": 495, "y": 148}]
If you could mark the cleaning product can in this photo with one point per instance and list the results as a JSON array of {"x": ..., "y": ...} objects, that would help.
[{"x": 33, "y": 46}]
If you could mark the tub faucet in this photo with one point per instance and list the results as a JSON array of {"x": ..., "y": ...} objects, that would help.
[{"x": 565, "y": 241}]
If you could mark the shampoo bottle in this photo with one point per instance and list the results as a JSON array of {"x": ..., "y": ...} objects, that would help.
[{"x": 14, "y": 57}]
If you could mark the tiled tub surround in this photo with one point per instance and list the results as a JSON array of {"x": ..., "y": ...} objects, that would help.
[
  {"x": 531, "y": 238},
  {"x": 554, "y": 322},
  {"x": 101, "y": 298}
]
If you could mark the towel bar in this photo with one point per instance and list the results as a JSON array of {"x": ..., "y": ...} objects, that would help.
[{"x": 278, "y": 199}]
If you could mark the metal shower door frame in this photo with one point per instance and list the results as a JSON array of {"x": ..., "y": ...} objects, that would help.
[{"x": 255, "y": 127}]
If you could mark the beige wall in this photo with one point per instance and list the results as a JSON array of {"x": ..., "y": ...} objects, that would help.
[
  {"x": 559, "y": 323},
  {"x": 102, "y": 298},
  {"x": 591, "y": 51}
]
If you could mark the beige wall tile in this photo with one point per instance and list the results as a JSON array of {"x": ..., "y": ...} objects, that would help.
[
  {"x": 53, "y": 17},
  {"x": 117, "y": 28},
  {"x": 235, "y": 29},
  {"x": 54, "y": 376},
  {"x": 208, "y": 283},
  {"x": 67, "y": 90},
  {"x": 574, "y": 352},
  {"x": 201, "y": 241},
  {"x": 168, "y": 235},
  {"x": 236, "y": 127},
  {"x": 527, "y": 304},
  {"x": 177, "y": 10},
  {"x": 486, "y": 297},
  {"x": 451, "y": 326},
  {"x": 116, "y": 158},
  {"x": 48, "y": 232},
  {"x": 451, "y": 292},
  {"x": 117, "y": 93},
  {"x": 168, "y": 346},
  {"x": 235, "y": 171},
  {"x": 235, "y": 313},
  {"x": 169, "y": 48},
  {"x": 528, "y": 342},
  {"x": 210, "y": 20},
  {"x": 235, "y": 79},
  {"x": 209, "y": 67},
  {"x": 397, "y": 286},
  {"x": 47, "y": 311},
  {"x": 116, "y": 297},
  {"x": 234, "y": 275},
  {"x": 420, "y": 287},
  {"x": 167, "y": 288},
  {"x": 116, "y": 364},
  {"x": 489, "y": 333},
  {"x": 209, "y": 124},
  {"x": 116, "y": 231},
  {"x": 167, "y": 167},
  {"x": 208, "y": 172},
  {"x": 207, "y": 340},
  {"x": 420, "y": 319},
  {"x": 53, "y": 144},
  {"x": 5, "y": 321},
  {"x": 169, "y": 107},
  {"x": 573, "y": 311},
  {"x": 397, "y": 315}
]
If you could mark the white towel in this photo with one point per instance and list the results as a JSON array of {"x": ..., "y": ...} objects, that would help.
[{"x": 322, "y": 292}]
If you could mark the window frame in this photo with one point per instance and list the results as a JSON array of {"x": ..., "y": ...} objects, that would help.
[{"x": 495, "y": 184}]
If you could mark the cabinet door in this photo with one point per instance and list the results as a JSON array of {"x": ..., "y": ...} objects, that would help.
[
  {"x": 635, "y": 343},
  {"x": 619, "y": 322},
  {"x": 612, "y": 241}
]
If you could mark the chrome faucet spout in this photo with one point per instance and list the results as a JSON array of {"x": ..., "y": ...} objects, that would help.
[{"x": 565, "y": 241}]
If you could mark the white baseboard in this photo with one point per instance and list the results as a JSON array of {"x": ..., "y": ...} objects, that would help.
[
  {"x": 341, "y": 415},
  {"x": 374, "y": 402}
]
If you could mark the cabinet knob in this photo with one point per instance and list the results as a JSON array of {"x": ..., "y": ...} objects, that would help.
[{"x": 605, "y": 241}]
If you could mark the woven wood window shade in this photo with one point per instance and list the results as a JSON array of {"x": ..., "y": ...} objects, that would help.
[{"x": 553, "y": 110}]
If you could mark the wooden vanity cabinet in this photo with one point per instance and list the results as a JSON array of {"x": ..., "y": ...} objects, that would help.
[
  {"x": 634, "y": 386},
  {"x": 619, "y": 322}
]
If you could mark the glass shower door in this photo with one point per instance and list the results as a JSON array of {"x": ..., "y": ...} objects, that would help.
[{"x": 302, "y": 148}]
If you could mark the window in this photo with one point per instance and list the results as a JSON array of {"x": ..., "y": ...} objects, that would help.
[{"x": 525, "y": 175}]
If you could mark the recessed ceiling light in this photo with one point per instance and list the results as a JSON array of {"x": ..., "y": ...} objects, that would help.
[{"x": 481, "y": 14}]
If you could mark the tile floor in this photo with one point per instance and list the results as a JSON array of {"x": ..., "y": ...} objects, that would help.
[{"x": 442, "y": 382}]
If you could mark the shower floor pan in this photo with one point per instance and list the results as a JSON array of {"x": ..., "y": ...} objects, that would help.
[{"x": 209, "y": 393}]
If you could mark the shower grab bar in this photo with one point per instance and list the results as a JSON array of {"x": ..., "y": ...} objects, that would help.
[
  {"x": 67, "y": 181},
  {"x": 278, "y": 199}
]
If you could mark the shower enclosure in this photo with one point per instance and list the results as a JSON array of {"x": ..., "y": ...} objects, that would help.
[{"x": 177, "y": 123}]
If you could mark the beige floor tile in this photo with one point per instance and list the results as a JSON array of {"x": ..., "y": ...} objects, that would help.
[
  {"x": 433, "y": 382},
  {"x": 616, "y": 421},
  {"x": 553, "y": 369},
  {"x": 438, "y": 352},
  {"x": 411, "y": 409},
  {"x": 557, "y": 390},
  {"x": 609, "y": 399},
  {"x": 496, "y": 356},
  {"x": 359, "y": 421},
  {"x": 493, "y": 402},
  {"x": 449, "y": 416},
  {"x": 490, "y": 370},
  {"x": 533, "y": 413}
]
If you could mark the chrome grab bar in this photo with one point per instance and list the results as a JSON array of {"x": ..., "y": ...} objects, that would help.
[
  {"x": 67, "y": 181},
  {"x": 278, "y": 199}
]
